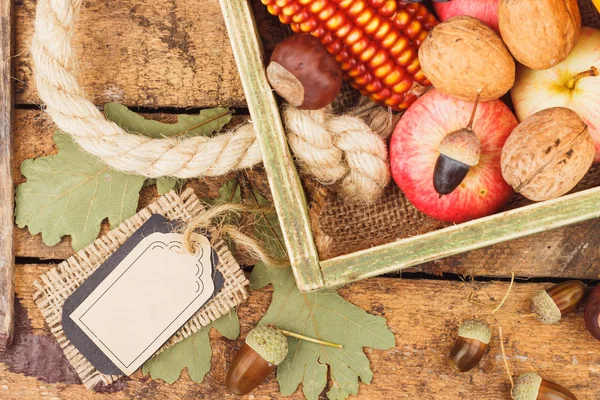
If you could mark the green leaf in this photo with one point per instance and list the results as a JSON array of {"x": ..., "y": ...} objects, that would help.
[
  {"x": 166, "y": 183},
  {"x": 230, "y": 192},
  {"x": 71, "y": 193},
  {"x": 327, "y": 316},
  {"x": 324, "y": 315},
  {"x": 193, "y": 353},
  {"x": 202, "y": 124}
]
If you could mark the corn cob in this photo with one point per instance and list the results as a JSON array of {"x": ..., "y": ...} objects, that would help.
[{"x": 374, "y": 41}]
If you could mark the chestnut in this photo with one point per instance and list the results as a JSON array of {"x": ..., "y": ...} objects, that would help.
[
  {"x": 304, "y": 73},
  {"x": 591, "y": 314}
]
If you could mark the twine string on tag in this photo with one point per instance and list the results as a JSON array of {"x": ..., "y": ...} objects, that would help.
[{"x": 212, "y": 220}]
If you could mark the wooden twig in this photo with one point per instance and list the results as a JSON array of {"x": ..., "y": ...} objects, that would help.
[{"x": 7, "y": 261}]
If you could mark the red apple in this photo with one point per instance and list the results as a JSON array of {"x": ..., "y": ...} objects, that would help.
[
  {"x": 483, "y": 10},
  {"x": 414, "y": 151},
  {"x": 574, "y": 84}
]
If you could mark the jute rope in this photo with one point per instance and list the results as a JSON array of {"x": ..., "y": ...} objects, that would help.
[
  {"x": 54, "y": 61},
  {"x": 339, "y": 149},
  {"x": 336, "y": 149}
]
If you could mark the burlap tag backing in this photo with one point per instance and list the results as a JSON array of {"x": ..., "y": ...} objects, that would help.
[
  {"x": 59, "y": 283},
  {"x": 341, "y": 228}
]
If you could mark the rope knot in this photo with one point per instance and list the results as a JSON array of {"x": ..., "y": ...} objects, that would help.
[{"x": 339, "y": 149}]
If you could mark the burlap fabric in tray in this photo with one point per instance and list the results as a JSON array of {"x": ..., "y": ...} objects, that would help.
[
  {"x": 341, "y": 228},
  {"x": 55, "y": 286}
]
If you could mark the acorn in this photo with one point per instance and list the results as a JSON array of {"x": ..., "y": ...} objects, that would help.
[
  {"x": 459, "y": 151},
  {"x": 531, "y": 386},
  {"x": 264, "y": 349},
  {"x": 592, "y": 313},
  {"x": 473, "y": 339},
  {"x": 552, "y": 304}
]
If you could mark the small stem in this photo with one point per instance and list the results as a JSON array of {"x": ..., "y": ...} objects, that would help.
[
  {"x": 308, "y": 339},
  {"x": 512, "y": 384},
  {"x": 593, "y": 71},
  {"x": 470, "y": 125},
  {"x": 512, "y": 281}
]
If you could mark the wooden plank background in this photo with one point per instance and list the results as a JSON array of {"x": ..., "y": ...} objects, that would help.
[
  {"x": 7, "y": 265},
  {"x": 175, "y": 56}
]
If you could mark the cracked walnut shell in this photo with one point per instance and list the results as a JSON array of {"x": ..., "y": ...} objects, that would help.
[{"x": 547, "y": 154}]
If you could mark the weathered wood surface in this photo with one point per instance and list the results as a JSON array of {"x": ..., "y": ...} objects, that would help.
[
  {"x": 177, "y": 54},
  {"x": 152, "y": 53},
  {"x": 415, "y": 369},
  {"x": 7, "y": 261}
]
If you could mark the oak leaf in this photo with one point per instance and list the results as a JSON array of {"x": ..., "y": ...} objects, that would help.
[
  {"x": 324, "y": 315},
  {"x": 193, "y": 353}
]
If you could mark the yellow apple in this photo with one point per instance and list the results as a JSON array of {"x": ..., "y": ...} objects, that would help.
[{"x": 574, "y": 83}]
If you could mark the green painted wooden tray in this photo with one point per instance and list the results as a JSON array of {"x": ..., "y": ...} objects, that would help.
[{"x": 290, "y": 201}]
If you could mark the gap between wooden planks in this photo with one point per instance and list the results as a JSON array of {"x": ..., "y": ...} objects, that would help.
[{"x": 415, "y": 369}]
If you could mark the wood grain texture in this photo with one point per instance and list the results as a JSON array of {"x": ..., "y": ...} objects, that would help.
[
  {"x": 571, "y": 251},
  {"x": 7, "y": 261},
  {"x": 460, "y": 238},
  {"x": 171, "y": 53},
  {"x": 288, "y": 195},
  {"x": 415, "y": 369}
]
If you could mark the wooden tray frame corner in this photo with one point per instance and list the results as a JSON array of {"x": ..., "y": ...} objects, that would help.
[{"x": 290, "y": 202}]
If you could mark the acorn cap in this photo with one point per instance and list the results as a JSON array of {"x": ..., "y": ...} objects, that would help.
[
  {"x": 269, "y": 343},
  {"x": 527, "y": 386},
  {"x": 462, "y": 145},
  {"x": 475, "y": 329},
  {"x": 545, "y": 308}
]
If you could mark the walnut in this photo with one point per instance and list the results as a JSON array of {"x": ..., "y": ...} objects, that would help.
[
  {"x": 539, "y": 33},
  {"x": 463, "y": 55},
  {"x": 547, "y": 154}
]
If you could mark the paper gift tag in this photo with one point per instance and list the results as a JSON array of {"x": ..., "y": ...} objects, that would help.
[{"x": 139, "y": 297}]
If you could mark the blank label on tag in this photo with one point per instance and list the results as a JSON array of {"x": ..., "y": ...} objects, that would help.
[{"x": 152, "y": 292}]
